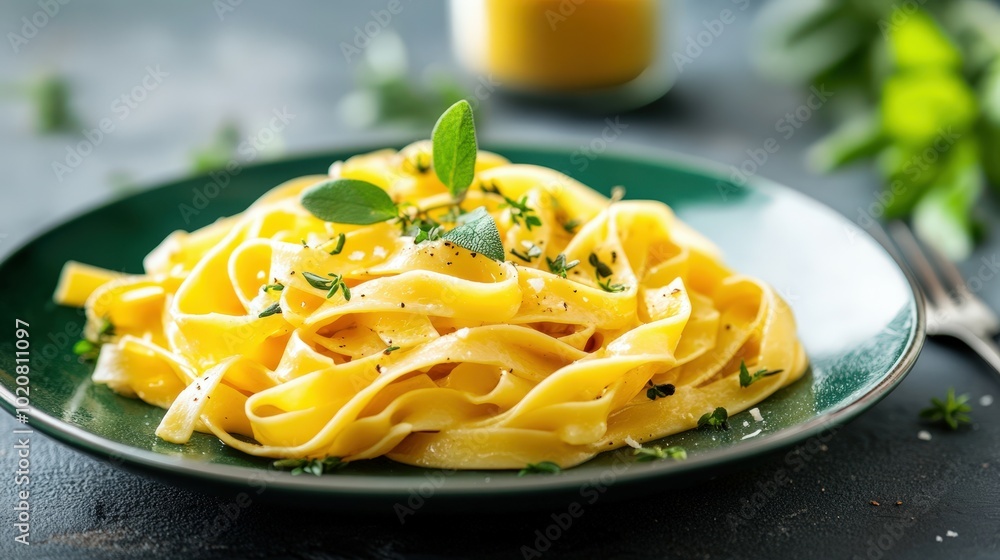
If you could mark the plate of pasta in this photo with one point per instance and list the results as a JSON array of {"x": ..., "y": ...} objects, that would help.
[{"x": 443, "y": 320}]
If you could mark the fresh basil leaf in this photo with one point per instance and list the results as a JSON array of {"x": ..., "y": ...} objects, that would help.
[
  {"x": 349, "y": 201},
  {"x": 454, "y": 148},
  {"x": 478, "y": 234}
]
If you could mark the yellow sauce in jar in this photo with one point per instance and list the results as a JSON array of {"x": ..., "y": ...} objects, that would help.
[{"x": 557, "y": 45}]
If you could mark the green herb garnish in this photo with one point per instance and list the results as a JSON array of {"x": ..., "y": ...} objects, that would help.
[
  {"x": 88, "y": 350},
  {"x": 433, "y": 233},
  {"x": 559, "y": 265},
  {"x": 603, "y": 273},
  {"x": 747, "y": 379},
  {"x": 339, "y": 247},
  {"x": 479, "y": 234},
  {"x": 953, "y": 411},
  {"x": 277, "y": 287},
  {"x": 349, "y": 201},
  {"x": 571, "y": 225},
  {"x": 718, "y": 419},
  {"x": 545, "y": 467},
  {"x": 352, "y": 201},
  {"x": 659, "y": 391},
  {"x": 531, "y": 251},
  {"x": 390, "y": 349},
  {"x": 107, "y": 329},
  {"x": 312, "y": 466},
  {"x": 331, "y": 285},
  {"x": 654, "y": 453},
  {"x": 273, "y": 309},
  {"x": 454, "y": 148},
  {"x": 521, "y": 213}
]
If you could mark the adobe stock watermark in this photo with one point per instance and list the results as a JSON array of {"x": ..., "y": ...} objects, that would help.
[
  {"x": 916, "y": 165},
  {"x": 590, "y": 492},
  {"x": 585, "y": 154},
  {"x": 696, "y": 44},
  {"x": 787, "y": 126},
  {"x": 794, "y": 461},
  {"x": 248, "y": 149},
  {"x": 121, "y": 107},
  {"x": 33, "y": 24},
  {"x": 901, "y": 12},
  {"x": 230, "y": 512},
  {"x": 225, "y": 7},
  {"x": 366, "y": 33},
  {"x": 563, "y": 11}
]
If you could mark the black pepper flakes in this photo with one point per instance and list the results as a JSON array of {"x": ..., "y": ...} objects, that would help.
[
  {"x": 473, "y": 255},
  {"x": 401, "y": 304}
]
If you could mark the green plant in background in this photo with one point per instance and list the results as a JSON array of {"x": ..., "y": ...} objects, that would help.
[
  {"x": 220, "y": 152},
  {"x": 49, "y": 95},
  {"x": 918, "y": 90},
  {"x": 388, "y": 95}
]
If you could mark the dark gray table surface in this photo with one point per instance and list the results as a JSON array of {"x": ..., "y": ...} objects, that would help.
[{"x": 263, "y": 56}]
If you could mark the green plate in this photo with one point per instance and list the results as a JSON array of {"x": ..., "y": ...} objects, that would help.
[{"x": 859, "y": 316}]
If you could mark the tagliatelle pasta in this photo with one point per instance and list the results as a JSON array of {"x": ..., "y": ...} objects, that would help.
[{"x": 441, "y": 357}]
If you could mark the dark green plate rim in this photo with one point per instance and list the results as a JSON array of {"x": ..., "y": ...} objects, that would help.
[{"x": 350, "y": 485}]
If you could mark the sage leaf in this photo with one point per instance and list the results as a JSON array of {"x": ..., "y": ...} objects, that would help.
[{"x": 349, "y": 201}]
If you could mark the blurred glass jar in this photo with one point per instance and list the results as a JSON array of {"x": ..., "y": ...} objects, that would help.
[{"x": 601, "y": 54}]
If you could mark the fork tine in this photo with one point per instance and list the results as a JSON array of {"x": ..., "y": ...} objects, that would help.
[
  {"x": 949, "y": 271},
  {"x": 914, "y": 254}
]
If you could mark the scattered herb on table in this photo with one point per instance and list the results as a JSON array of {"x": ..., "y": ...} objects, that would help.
[{"x": 952, "y": 411}]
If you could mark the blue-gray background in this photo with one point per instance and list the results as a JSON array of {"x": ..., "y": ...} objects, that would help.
[{"x": 263, "y": 56}]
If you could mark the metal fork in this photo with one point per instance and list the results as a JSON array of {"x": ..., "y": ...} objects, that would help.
[{"x": 954, "y": 311}]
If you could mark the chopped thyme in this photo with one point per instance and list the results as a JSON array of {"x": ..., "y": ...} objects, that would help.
[
  {"x": 273, "y": 309},
  {"x": 602, "y": 270},
  {"x": 953, "y": 411},
  {"x": 603, "y": 273},
  {"x": 88, "y": 350},
  {"x": 332, "y": 284},
  {"x": 653, "y": 453},
  {"x": 432, "y": 234},
  {"x": 747, "y": 379},
  {"x": 339, "y": 247},
  {"x": 718, "y": 419},
  {"x": 520, "y": 212},
  {"x": 390, "y": 350},
  {"x": 544, "y": 467},
  {"x": 571, "y": 225},
  {"x": 559, "y": 265},
  {"x": 531, "y": 252},
  {"x": 277, "y": 287},
  {"x": 660, "y": 391}
]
